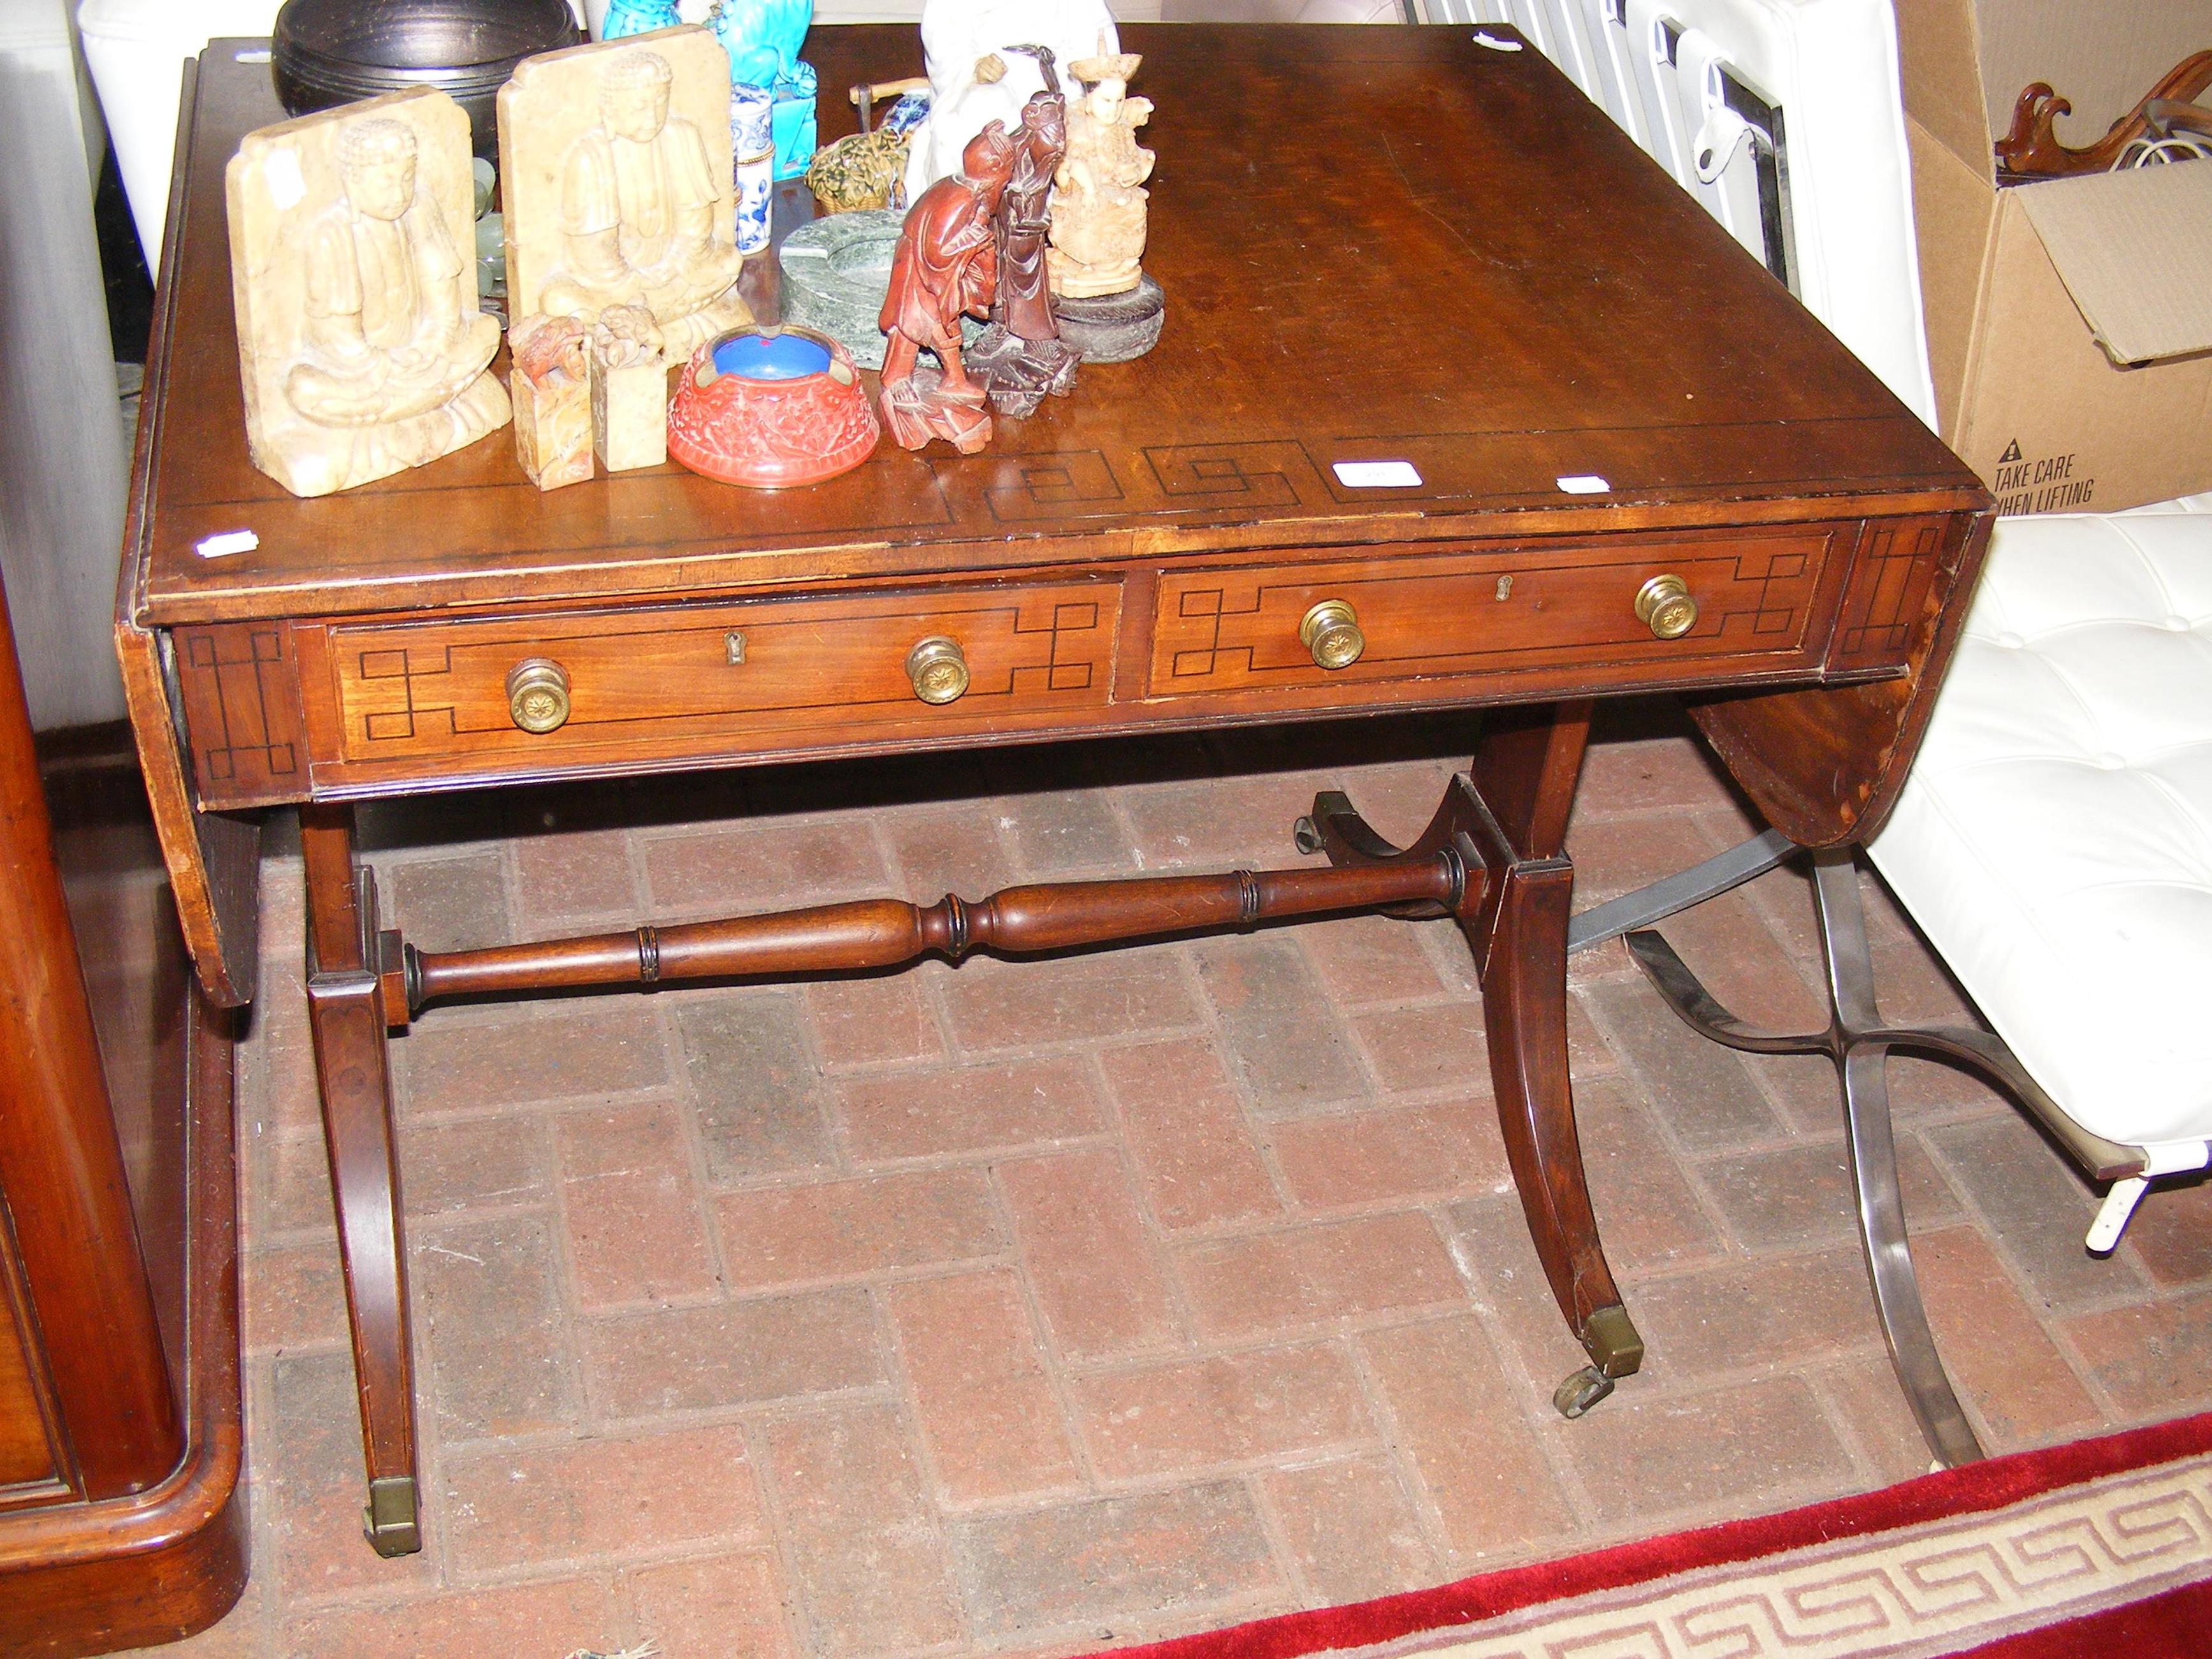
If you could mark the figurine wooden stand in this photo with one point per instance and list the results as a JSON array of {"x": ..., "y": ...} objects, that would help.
[
  {"x": 945, "y": 264},
  {"x": 1021, "y": 357},
  {"x": 359, "y": 340},
  {"x": 552, "y": 394},
  {"x": 615, "y": 161}
]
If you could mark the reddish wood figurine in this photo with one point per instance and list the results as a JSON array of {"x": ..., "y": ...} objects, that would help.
[
  {"x": 1021, "y": 357},
  {"x": 946, "y": 264}
]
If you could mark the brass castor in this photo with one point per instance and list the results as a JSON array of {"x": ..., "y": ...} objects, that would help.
[
  {"x": 1581, "y": 1391},
  {"x": 1304, "y": 836}
]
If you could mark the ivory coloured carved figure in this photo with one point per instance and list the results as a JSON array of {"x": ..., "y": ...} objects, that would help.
[
  {"x": 946, "y": 264},
  {"x": 1021, "y": 357},
  {"x": 974, "y": 79},
  {"x": 359, "y": 341},
  {"x": 552, "y": 392},
  {"x": 616, "y": 160},
  {"x": 1098, "y": 199}
]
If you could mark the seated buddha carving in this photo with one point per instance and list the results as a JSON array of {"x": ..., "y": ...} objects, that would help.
[
  {"x": 360, "y": 344},
  {"x": 386, "y": 339},
  {"x": 640, "y": 202}
]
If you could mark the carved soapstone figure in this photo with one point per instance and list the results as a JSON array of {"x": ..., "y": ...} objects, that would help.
[
  {"x": 975, "y": 79},
  {"x": 359, "y": 341},
  {"x": 630, "y": 390},
  {"x": 551, "y": 388},
  {"x": 616, "y": 164},
  {"x": 945, "y": 264},
  {"x": 866, "y": 169},
  {"x": 1021, "y": 357}
]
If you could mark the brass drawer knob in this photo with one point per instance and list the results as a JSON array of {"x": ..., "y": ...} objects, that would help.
[
  {"x": 1664, "y": 604},
  {"x": 1331, "y": 632},
  {"x": 939, "y": 671},
  {"x": 537, "y": 695}
]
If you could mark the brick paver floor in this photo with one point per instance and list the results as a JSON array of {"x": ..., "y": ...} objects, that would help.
[{"x": 1033, "y": 1308}]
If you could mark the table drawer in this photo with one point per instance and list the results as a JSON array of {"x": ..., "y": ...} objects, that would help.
[
  {"x": 736, "y": 678},
  {"x": 1422, "y": 613}
]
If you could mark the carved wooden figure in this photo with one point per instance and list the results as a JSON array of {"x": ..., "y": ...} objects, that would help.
[
  {"x": 1021, "y": 357},
  {"x": 630, "y": 390},
  {"x": 616, "y": 164},
  {"x": 552, "y": 392},
  {"x": 359, "y": 344},
  {"x": 945, "y": 264}
]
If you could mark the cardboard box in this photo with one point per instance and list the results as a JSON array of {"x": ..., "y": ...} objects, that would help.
[{"x": 2070, "y": 324}]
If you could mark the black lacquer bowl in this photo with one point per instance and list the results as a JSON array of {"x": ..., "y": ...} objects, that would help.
[{"x": 334, "y": 52}]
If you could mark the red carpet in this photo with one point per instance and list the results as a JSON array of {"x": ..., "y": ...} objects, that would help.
[{"x": 2099, "y": 1547}]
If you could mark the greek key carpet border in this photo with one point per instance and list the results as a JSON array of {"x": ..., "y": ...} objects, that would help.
[{"x": 1928, "y": 1589}]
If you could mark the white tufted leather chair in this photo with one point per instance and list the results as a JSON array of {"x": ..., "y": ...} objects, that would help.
[{"x": 2055, "y": 841}]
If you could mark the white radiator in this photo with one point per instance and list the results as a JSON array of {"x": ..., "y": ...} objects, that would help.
[{"x": 1782, "y": 116}]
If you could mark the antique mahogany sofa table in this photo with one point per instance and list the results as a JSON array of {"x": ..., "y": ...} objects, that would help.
[{"x": 1626, "y": 461}]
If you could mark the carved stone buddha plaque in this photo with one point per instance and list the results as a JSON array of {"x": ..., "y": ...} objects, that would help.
[
  {"x": 359, "y": 340},
  {"x": 615, "y": 161}
]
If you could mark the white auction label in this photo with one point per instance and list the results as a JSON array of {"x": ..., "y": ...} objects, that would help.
[
  {"x": 1376, "y": 475},
  {"x": 230, "y": 541},
  {"x": 1585, "y": 483}
]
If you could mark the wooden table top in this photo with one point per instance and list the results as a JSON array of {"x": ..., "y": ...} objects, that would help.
[{"x": 1375, "y": 243}]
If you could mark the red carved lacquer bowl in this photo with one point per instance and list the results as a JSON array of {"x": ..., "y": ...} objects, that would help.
[{"x": 771, "y": 408}]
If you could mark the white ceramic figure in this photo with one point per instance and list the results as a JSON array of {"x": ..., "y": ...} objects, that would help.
[{"x": 973, "y": 80}]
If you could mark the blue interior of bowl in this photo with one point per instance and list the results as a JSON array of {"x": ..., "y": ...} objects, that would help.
[{"x": 771, "y": 356}]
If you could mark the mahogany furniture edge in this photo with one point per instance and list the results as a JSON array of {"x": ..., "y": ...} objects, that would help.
[
  {"x": 692, "y": 572},
  {"x": 171, "y": 1560},
  {"x": 119, "y": 1522},
  {"x": 112, "y": 1426},
  {"x": 1826, "y": 765},
  {"x": 213, "y": 860}
]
